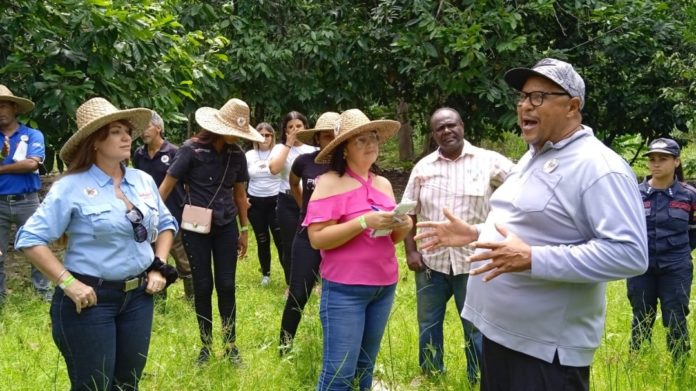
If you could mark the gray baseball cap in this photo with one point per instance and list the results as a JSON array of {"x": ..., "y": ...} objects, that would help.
[{"x": 559, "y": 72}]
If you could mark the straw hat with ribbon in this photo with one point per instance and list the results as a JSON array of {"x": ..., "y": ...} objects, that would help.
[
  {"x": 326, "y": 121},
  {"x": 97, "y": 113},
  {"x": 24, "y": 105},
  {"x": 354, "y": 122},
  {"x": 232, "y": 119}
]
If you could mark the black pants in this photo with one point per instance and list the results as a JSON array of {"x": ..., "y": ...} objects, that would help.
[
  {"x": 221, "y": 243},
  {"x": 288, "y": 215},
  {"x": 506, "y": 369},
  {"x": 303, "y": 277},
  {"x": 262, "y": 215}
]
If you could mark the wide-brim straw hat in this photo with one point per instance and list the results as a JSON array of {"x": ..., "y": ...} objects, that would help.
[
  {"x": 97, "y": 113},
  {"x": 23, "y": 105},
  {"x": 354, "y": 122},
  {"x": 232, "y": 119},
  {"x": 326, "y": 121}
]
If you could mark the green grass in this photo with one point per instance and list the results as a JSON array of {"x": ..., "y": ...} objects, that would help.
[{"x": 30, "y": 360}]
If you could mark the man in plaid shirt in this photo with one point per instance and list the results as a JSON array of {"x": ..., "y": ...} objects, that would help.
[{"x": 460, "y": 177}]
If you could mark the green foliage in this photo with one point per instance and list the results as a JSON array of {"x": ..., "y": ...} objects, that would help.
[{"x": 176, "y": 55}]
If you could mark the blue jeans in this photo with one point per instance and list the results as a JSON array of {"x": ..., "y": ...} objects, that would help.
[
  {"x": 105, "y": 347},
  {"x": 353, "y": 319},
  {"x": 433, "y": 291},
  {"x": 18, "y": 212},
  {"x": 671, "y": 285}
]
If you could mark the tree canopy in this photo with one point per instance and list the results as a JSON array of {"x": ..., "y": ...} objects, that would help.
[{"x": 637, "y": 58}]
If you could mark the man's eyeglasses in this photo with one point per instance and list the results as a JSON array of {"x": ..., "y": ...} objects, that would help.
[
  {"x": 536, "y": 98},
  {"x": 367, "y": 138},
  {"x": 135, "y": 216}
]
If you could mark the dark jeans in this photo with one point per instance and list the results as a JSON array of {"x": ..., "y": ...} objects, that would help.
[
  {"x": 262, "y": 215},
  {"x": 303, "y": 277},
  {"x": 18, "y": 212},
  {"x": 433, "y": 291},
  {"x": 105, "y": 347},
  {"x": 221, "y": 244},
  {"x": 505, "y": 369},
  {"x": 671, "y": 285},
  {"x": 288, "y": 219}
]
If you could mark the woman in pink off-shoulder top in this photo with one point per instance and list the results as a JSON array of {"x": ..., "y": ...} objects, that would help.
[{"x": 359, "y": 270}]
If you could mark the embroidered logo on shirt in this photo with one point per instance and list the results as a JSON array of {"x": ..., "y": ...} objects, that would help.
[
  {"x": 164, "y": 159},
  {"x": 24, "y": 138},
  {"x": 90, "y": 192},
  {"x": 550, "y": 165}
]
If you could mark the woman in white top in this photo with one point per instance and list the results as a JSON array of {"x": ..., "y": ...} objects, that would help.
[
  {"x": 263, "y": 197},
  {"x": 282, "y": 157}
]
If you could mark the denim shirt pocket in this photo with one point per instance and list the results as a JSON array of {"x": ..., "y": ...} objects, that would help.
[{"x": 537, "y": 191}]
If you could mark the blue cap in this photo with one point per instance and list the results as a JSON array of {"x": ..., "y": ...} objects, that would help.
[{"x": 664, "y": 145}]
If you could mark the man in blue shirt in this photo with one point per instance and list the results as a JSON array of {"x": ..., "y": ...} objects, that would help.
[
  {"x": 154, "y": 157},
  {"x": 22, "y": 151}
]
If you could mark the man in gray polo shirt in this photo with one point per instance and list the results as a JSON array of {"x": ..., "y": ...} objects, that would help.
[{"x": 567, "y": 219}]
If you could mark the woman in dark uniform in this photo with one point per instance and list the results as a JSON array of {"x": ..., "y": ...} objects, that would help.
[{"x": 669, "y": 210}]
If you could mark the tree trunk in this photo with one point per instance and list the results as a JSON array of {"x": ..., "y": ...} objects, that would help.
[{"x": 405, "y": 132}]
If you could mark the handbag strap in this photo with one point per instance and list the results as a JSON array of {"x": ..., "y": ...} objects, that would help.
[{"x": 224, "y": 174}]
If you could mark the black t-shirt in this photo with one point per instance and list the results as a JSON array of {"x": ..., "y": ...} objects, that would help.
[
  {"x": 307, "y": 170},
  {"x": 202, "y": 167},
  {"x": 157, "y": 168}
]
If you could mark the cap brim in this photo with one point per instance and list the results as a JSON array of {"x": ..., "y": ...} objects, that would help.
[
  {"x": 206, "y": 117},
  {"x": 659, "y": 150},
  {"x": 516, "y": 77}
]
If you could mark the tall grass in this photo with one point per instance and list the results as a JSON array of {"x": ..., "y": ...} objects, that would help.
[{"x": 30, "y": 361}]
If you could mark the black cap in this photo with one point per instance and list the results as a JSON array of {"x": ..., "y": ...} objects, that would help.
[{"x": 664, "y": 145}]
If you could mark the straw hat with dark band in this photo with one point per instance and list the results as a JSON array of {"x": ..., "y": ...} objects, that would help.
[
  {"x": 23, "y": 105},
  {"x": 326, "y": 121},
  {"x": 232, "y": 119},
  {"x": 354, "y": 122},
  {"x": 97, "y": 113}
]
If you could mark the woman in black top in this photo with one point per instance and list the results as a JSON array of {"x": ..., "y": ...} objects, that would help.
[
  {"x": 215, "y": 171},
  {"x": 305, "y": 264}
]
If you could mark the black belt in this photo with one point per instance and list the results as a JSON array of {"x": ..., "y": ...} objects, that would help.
[
  {"x": 286, "y": 192},
  {"x": 16, "y": 197},
  {"x": 125, "y": 285}
]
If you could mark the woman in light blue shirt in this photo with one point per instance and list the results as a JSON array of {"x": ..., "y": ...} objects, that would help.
[{"x": 101, "y": 311}]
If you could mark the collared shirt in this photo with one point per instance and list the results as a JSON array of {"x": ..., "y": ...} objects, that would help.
[
  {"x": 202, "y": 168},
  {"x": 287, "y": 166},
  {"x": 261, "y": 182},
  {"x": 28, "y": 182},
  {"x": 577, "y": 204},
  {"x": 671, "y": 219},
  {"x": 157, "y": 167},
  {"x": 464, "y": 186},
  {"x": 101, "y": 240}
]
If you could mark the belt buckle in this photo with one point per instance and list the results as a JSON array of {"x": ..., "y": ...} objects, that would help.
[{"x": 131, "y": 284}]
